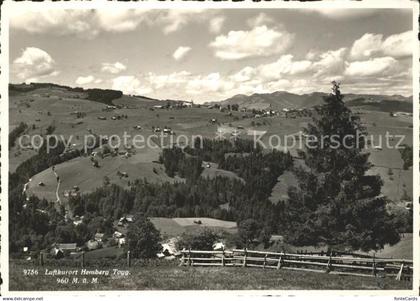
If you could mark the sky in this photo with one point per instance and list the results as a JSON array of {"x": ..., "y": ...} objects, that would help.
[{"x": 212, "y": 54}]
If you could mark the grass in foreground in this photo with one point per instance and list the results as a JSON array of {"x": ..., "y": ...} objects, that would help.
[{"x": 198, "y": 278}]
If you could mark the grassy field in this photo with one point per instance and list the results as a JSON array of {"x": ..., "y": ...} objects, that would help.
[
  {"x": 31, "y": 108},
  {"x": 177, "y": 226},
  {"x": 169, "y": 277}
]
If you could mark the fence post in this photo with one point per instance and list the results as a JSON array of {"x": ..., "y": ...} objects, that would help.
[
  {"x": 374, "y": 272},
  {"x": 83, "y": 259},
  {"x": 400, "y": 273},
  {"x": 244, "y": 263},
  {"x": 189, "y": 256},
  {"x": 223, "y": 258},
  {"x": 182, "y": 258},
  {"x": 128, "y": 259},
  {"x": 279, "y": 263},
  {"x": 265, "y": 261},
  {"x": 41, "y": 259},
  {"x": 329, "y": 265}
]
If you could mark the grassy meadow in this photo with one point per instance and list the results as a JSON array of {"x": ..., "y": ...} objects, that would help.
[{"x": 171, "y": 277}]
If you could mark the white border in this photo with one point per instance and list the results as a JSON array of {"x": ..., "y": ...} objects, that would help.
[{"x": 9, "y": 6}]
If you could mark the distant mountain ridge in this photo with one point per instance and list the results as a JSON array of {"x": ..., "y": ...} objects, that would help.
[
  {"x": 277, "y": 100},
  {"x": 281, "y": 100}
]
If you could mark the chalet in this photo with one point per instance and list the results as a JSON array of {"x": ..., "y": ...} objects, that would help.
[
  {"x": 187, "y": 104},
  {"x": 77, "y": 220},
  {"x": 125, "y": 220},
  {"x": 276, "y": 239},
  {"x": 59, "y": 249},
  {"x": 218, "y": 246},
  {"x": 67, "y": 246},
  {"x": 117, "y": 234},
  {"x": 169, "y": 249},
  {"x": 121, "y": 241},
  {"x": 93, "y": 244},
  {"x": 99, "y": 237}
]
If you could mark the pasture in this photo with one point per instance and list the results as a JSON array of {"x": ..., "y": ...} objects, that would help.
[
  {"x": 171, "y": 277},
  {"x": 176, "y": 226},
  {"x": 33, "y": 107}
]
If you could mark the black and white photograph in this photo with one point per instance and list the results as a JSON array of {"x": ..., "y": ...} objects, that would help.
[{"x": 213, "y": 147}]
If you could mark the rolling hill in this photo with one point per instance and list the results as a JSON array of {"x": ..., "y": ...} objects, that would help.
[{"x": 280, "y": 100}]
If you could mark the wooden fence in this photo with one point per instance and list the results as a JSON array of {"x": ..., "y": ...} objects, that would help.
[{"x": 400, "y": 269}]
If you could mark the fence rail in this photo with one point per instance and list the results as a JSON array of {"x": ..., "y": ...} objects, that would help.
[{"x": 400, "y": 269}]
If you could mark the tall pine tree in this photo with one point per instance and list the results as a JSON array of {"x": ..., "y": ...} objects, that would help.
[{"x": 335, "y": 202}]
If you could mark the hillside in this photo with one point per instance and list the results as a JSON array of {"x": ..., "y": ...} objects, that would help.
[
  {"x": 42, "y": 105},
  {"x": 280, "y": 100}
]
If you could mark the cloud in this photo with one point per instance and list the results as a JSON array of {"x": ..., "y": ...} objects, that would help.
[
  {"x": 113, "y": 68},
  {"x": 130, "y": 85},
  {"x": 181, "y": 52},
  {"x": 213, "y": 82},
  {"x": 120, "y": 20},
  {"x": 397, "y": 45},
  {"x": 330, "y": 62},
  {"x": 34, "y": 63},
  {"x": 216, "y": 24},
  {"x": 376, "y": 66},
  {"x": 87, "y": 24},
  {"x": 366, "y": 46},
  {"x": 84, "y": 80},
  {"x": 260, "y": 41},
  {"x": 56, "y": 22},
  {"x": 260, "y": 19},
  {"x": 342, "y": 13}
]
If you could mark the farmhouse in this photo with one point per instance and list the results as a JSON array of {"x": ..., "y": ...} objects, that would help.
[
  {"x": 125, "y": 220},
  {"x": 59, "y": 249},
  {"x": 169, "y": 249},
  {"x": 93, "y": 244},
  {"x": 99, "y": 237}
]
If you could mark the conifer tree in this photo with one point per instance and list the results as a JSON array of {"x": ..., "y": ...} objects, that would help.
[{"x": 335, "y": 202}]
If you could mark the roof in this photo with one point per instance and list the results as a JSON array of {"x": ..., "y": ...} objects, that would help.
[{"x": 67, "y": 246}]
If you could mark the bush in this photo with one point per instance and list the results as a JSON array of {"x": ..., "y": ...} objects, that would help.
[{"x": 202, "y": 240}]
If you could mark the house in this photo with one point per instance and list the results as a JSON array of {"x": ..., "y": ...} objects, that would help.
[
  {"x": 67, "y": 246},
  {"x": 169, "y": 249},
  {"x": 93, "y": 244},
  {"x": 99, "y": 237},
  {"x": 121, "y": 242},
  {"x": 125, "y": 220},
  {"x": 276, "y": 239},
  {"x": 187, "y": 104},
  {"x": 219, "y": 246},
  {"x": 117, "y": 234},
  {"x": 57, "y": 253},
  {"x": 77, "y": 220},
  {"x": 59, "y": 249}
]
